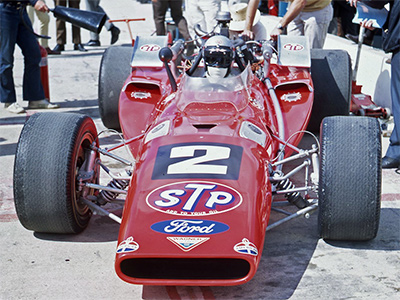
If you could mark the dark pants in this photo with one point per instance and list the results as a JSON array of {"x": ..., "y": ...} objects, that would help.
[
  {"x": 13, "y": 31},
  {"x": 60, "y": 25},
  {"x": 394, "y": 147},
  {"x": 160, "y": 9}
]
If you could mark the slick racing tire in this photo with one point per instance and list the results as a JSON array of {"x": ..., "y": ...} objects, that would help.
[
  {"x": 114, "y": 70},
  {"x": 331, "y": 75},
  {"x": 51, "y": 149},
  {"x": 349, "y": 189}
]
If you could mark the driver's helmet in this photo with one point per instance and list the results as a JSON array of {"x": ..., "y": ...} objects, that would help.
[{"x": 218, "y": 54}]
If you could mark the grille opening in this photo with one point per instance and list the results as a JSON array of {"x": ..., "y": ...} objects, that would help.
[
  {"x": 205, "y": 127},
  {"x": 185, "y": 268}
]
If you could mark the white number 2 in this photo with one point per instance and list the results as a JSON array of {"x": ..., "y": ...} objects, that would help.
[{"x": 194, "y": 165}]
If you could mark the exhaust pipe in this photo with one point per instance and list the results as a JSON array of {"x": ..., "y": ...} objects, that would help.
[{"x": 92, "y": 21}]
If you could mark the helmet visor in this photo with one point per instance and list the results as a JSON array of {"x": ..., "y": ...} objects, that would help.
[{"x": 219, "y": 57}]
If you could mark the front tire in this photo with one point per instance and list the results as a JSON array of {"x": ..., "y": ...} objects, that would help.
[
  {"x": 350, "y": 178},
  {"x": 51, "y": 149}
]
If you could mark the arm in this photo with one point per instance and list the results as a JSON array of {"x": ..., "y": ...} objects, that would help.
[
  {"x": 250, "y": 14},
  {"x": 293, "y": 11}
]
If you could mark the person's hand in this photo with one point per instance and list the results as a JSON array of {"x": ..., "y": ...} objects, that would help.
[
  {"x": 353, "y": 2},
  {"x": 247, "y": 35},
  {"x": 367, "y": 24},
  {"x": 41, "y": 6},
  {"x": 275, "y": 32}
]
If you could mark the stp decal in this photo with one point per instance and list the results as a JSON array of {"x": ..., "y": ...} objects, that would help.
[
  {"x": 197, "y": 160},
  {"x": 246, "y": 247},
  {"x": 187, "y": 243},
  {"x": 293, "y": 47},
  {"x": 194, "y": 198},
  {"x": 150, "y": 48},
  {"x": 190, "y": 227},
  {"x": 129, "y": 245}
]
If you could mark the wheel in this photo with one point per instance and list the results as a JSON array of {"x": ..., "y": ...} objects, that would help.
[
  {"x": 50, "y": 151},
  {"x": 350, "y": 178},
  {"x": 331, "y": 74},
  {"x": 114, "y": 70}
]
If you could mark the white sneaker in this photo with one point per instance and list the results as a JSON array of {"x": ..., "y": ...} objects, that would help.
[
  {"x": 42, "y": 104},
  {"x": 14, "y": 108}
]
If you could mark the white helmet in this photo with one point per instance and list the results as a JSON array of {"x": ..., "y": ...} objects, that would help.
[{"x": 218, "y": 54}]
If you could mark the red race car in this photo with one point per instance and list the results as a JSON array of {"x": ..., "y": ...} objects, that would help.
[{"x": 214, "y": 145}]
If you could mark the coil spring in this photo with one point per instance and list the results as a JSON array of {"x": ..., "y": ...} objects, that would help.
[
  {"x": 109, "y": 196},
  {"x": 293, "y": 197}
]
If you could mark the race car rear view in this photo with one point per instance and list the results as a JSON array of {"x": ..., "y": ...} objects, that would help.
[{"x": 209, "y": 158}]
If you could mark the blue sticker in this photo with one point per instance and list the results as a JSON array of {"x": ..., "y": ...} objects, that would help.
[{"x": 190, "y": 227}]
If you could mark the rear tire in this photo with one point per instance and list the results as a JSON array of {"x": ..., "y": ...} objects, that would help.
[
  {"x": 114, "y": 70},
  {"x": 331, "y": 74},
  {"x": 50, "y": 151},
  {"x": 350, "y": 178}
]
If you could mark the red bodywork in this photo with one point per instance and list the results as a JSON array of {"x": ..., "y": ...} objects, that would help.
[
  {"x": 199, "y": 201},
  {"x": 362, "y": 104}
]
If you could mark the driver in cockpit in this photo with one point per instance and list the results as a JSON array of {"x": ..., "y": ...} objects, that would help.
[{"x": 218, "y": 55}]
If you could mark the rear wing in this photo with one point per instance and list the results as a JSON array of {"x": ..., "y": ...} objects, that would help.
[
  {"x": 294, "y": 51},
  {"x": 145, "y": 51}
]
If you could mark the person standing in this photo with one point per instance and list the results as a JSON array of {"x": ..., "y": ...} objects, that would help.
[
  {"x": 310, "y": 18},
  {"x": 160, "y": 8},
  {"x": 246, "y": 20},
  {"x": 203, "y": 12},
  {"x": 391, "y": 44},
  {"x": 16, "y": 28},
  {"x": 44, "y": 20},
  {"x": 94, "y": 5},
  {"x": 62, "y": 32}
]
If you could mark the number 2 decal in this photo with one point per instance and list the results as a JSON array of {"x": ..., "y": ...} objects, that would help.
[
  {"x": 196, "y": 160},
  {"x": 198, "y": 164}
]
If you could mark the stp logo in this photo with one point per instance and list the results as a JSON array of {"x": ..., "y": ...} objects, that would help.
[
  {"x": 150, "y": 48},
  {"x": 194, "y": 198},
  {"x": 293, "y": 47}
]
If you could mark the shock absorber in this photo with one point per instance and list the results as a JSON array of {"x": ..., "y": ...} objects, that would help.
[
  {"x": 108, "y": 196},
  {"x": 293, "y": 197}
]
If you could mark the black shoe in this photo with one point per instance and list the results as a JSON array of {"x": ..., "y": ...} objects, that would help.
[
  {"x": 114, "y": 34},
  {"x": 79, "y": 47},
  {"x": 390, "y": 163},
  {"x": 93, "y": 43},
  {"x": 58, "y": 48},
  {"x": 354, "y": 38}
]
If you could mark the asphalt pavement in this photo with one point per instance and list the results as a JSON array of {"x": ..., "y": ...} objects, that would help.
[{"x": 295, "y": 263}]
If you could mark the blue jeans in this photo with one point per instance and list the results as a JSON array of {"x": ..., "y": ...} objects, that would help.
[
  {"x": 13, "y": 31},
  {"x": 394, "y": 146}
]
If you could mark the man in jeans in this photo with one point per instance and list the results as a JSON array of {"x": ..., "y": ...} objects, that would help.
[{"x": 14, "y": 31}]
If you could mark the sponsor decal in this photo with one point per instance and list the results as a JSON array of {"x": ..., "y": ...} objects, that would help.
[
  {"x": 190, "y": 227},
  {"x": 198, "y": 160},
  {"x": 246, "y": 247},
  {"x": 293, "y": 47},
  {"x": 140, "y": 95},
  {"x": 292, "y": 97},
  {"x": 150, "y": 48},
  {"x": 194, "y": 198},
  {"x": 129, "y": 245},
  {"x": 187, "y": 243}
]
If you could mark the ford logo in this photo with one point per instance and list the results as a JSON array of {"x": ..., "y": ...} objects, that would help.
[{"x": 190, "y": 227}]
